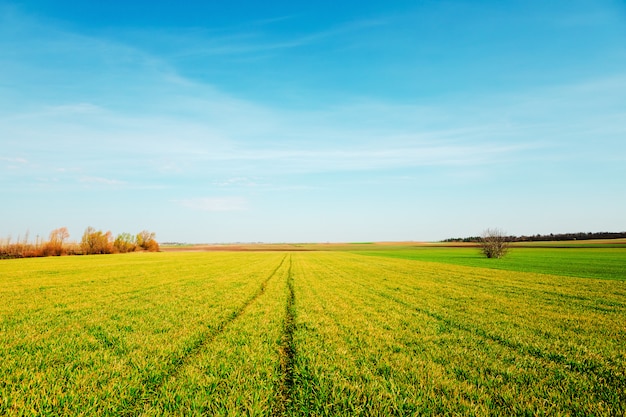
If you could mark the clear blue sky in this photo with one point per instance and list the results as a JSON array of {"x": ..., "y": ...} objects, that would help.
[{"x": 291, "y": 121}]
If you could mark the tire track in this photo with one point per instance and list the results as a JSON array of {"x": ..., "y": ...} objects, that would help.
[
  {"x": 587, "y": 366},
  {"x": 607, "y": 377},
  {"x": 151, "y": 384},
  {"x": 287, "y": 350},
  {"x": 610, "y": 380}
]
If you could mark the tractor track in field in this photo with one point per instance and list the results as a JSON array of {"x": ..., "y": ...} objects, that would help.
[
  {"x": 601, "y": 372},
  {"x": 287, "y": 350},
  {"x": 606, "y": 375},
  {"x": 151, "y": 384}
]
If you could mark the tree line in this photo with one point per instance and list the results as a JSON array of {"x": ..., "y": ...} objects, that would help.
[
  {"x": 93, "y": 242},
  {"x": 550, "y": 237}
]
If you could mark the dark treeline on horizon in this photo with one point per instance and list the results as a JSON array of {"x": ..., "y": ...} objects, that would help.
[{"x": 550, "y": 237}]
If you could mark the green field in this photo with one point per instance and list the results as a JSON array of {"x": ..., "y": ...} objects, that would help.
[
  {"x": 583, "y": 262},
  {"x": 381, "y": 331}
]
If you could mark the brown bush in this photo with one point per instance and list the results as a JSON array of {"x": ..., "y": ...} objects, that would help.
[
  {"x": 95, "y": 242},
  {"x": 146, "y": 241},
  {"x": 125, "y": 242},
  {"x": 494, "y": 243}
]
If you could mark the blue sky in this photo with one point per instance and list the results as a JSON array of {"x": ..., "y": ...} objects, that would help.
[{"x": 312, "y": 121}]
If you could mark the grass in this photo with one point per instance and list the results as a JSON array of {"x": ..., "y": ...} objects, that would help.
[
  {"x": 101, "y": 335},
  {"x": 313, "y": 333},
  {"x": 395, "y": 337},
  {"x": 586, "y": 262}
]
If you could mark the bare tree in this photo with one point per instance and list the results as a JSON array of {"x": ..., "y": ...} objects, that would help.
[
  {"x": 54, "y": 247},
  {"x": 494, "y": 243},
  {"x": 59, "y": 235}
]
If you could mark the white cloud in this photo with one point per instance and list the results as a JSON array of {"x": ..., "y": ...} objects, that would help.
[
  {"x": 236, "y": 182},
  {"x": 388, "y": 157},
  {"x": 100, "y": 181},
  {"x": 172, "y": 128},
  {"x": 246, "y": 41},
  {"x": 215, "y": 203},
  {"x": 14, "y": 160},
  {"x": 74, "y": 109}
]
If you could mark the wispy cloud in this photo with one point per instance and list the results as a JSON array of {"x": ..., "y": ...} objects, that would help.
[
  {"x": 215, "y": 203},
  {"x": 330, "y": 116},
  {"x": 173, "y": 126},
  {"x": 73, "y": 109},
  {"x": 244, "y": 40},
  {"x": 612, "y": 14},
  {"x": 101, "y": 181},
  {"x": 379, "y": 157},
  {"x": 14, "y": 160},
  {"x": 215, "y": 135},
  {"x": 236, "y": 182}
]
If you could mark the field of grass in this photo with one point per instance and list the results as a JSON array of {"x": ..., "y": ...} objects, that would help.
[
  {"x": 312, "y": 333},
  {"x": 585, "y": 262}
]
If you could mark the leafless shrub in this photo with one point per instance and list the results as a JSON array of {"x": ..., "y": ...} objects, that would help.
[
  {"x": 494, "y": 243},
  {"x": 54, "y": 246}
]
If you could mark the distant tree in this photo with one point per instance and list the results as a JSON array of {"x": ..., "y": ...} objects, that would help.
[
  {"x": 54, "y": 246},
  {"x": 96, "y": 242},
  {"x": 59, "y": 235},
  {"x": 125, "y": 242},
  {"x": 146, "y": 240},
  {"x": 494, "y": 243}
]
